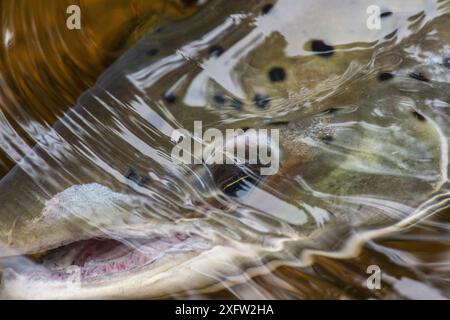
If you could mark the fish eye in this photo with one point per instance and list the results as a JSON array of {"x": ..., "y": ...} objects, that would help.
[{"x": 239, "y": 176}]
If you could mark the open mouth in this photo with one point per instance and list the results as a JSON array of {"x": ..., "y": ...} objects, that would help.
[{"x": 99, "y": 257}]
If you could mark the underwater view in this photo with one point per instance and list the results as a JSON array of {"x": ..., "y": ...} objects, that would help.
[{"x": 224, "y": 149}]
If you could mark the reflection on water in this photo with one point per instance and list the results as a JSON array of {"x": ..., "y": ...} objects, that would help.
[{"x": 99, "y": 209}]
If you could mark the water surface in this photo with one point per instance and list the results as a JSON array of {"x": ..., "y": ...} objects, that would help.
[{"x": 363, "y": 115}]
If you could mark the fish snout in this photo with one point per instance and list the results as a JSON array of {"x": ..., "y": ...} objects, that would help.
[{"x": 244, "y": 159}]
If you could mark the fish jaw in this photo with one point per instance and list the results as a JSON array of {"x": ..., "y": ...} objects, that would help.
[
  {"x": 77, "y": 213},
  {"x": 84, "y": 212},
  {"x": 105, "y": 259},
  {"x": 168, "y": 276},
  {"x": 106, "y": 268}
]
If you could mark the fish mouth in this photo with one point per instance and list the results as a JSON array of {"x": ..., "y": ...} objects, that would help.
[{"x": 100, "y": 258}]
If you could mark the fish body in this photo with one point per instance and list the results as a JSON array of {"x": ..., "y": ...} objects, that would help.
[{"x": 102, "y": 181}]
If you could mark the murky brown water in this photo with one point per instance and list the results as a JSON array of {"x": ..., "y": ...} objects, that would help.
[
  {"x": 364, "y": 123},
  {"x": 35, "y": 91}
]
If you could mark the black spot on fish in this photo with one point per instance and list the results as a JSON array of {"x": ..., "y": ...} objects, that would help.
[
  {"x": 236, "y": 103},
  {"x": 386, "y": 14},
  {"x": 190, "y": 2},
  {"x": 245, "y": 129},
  {"x": 419, "y": 76},
  {"x": 277, "y": 74},
  {"x": 215, "y": 51},
  {"x": 418, "y": 116},
  {"x": 322, "y": 48},
  {"x": 267, "y": 8},
  {"x": 136, "y": 177},
  {"x": 384, "y": 76},
  {"x": 327, "y": 138},
  {"x": 279, "y": 123},
  {"x": 391, "y": 35},
  {"x": 159, "y": 30},
  {"x": 261, "y": 101},
  {"x": 169, "y": 97},
  {"x": 132, "y": 174},
  {"x": 219, "y": 99},
  {"x": 152, "y": 52},
  {"x": 446, "y": 63}
]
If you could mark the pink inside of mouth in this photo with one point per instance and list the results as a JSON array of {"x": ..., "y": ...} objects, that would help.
[{"x": 102, "y": 257}]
